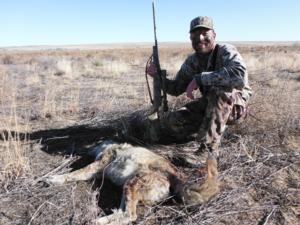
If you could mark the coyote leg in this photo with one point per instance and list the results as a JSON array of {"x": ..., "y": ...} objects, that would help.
[
  {"x": 145, "y": 187},
  {"x": 127, "y": 211},
  {"x": 130, "y": 197},
  {"x": 86, "y": 173},
  {"x": 148, "y": 187}
]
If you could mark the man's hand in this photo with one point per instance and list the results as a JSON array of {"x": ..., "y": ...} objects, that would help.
[
  {"x": 152, "y": 70},
  {"x": 191, "y": 87}
]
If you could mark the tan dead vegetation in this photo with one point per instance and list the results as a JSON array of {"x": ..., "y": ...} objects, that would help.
[{"x": 54, "y": 89}]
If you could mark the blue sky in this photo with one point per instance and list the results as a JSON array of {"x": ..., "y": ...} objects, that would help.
[{"x": 63, "y": 22}]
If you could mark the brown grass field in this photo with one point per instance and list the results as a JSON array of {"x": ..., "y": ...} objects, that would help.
[{"x": 55, "y": 104}]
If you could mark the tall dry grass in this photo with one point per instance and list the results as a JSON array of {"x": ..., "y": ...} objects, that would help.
[{"x": 14, "y": 162}]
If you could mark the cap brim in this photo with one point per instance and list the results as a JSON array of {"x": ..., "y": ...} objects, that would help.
[{"x": 198, "y": 26}]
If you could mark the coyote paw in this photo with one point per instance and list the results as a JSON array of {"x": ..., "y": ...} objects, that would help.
[
  {"x": 55, "y": 179},
  {"x": 117, "y": 218}
]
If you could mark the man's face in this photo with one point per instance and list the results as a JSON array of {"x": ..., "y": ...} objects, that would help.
[{"x": 203, "y": 40}]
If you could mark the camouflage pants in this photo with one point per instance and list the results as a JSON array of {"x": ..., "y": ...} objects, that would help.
[{"x": 206, "y": 116}]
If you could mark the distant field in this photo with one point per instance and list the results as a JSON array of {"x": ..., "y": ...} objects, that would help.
[
  {"x": 46, "y": 91},
  {"x": 138, "y": 45}
]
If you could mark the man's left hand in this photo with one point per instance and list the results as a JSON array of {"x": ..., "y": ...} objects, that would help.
[{"x": 191, "y": 87}]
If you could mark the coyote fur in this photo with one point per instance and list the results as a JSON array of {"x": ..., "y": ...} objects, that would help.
[{"x": 145, "y": 177}]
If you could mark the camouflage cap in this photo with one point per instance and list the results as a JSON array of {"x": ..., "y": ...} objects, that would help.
[{"x": 202, "y": 21}]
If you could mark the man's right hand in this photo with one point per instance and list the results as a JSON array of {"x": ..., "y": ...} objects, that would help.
[
  {"x": 190, "y": 88},
  {"x": 152, "y": 70}
]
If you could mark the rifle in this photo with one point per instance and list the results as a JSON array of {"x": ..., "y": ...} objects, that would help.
[{"x": 159, "y": 88}]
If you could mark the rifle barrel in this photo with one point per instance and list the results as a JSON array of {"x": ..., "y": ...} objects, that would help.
[{"x": 154, "y": 22}]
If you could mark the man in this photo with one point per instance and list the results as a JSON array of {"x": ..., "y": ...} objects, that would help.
[{"x": 219, "y": 72}]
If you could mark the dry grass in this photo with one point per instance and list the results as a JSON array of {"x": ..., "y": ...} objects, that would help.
[
  {"x": 55, "y": 90},
  {"x": 14, "y": 162}
]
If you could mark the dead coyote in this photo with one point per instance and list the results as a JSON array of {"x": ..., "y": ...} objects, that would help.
[{"x": 145, "y": 176}]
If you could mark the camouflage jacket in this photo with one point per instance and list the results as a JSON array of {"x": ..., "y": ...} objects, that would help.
[{"x": 230, "y": 72}]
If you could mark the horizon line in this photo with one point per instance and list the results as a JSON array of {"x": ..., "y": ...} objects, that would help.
[{"x": 109, "y": 45}]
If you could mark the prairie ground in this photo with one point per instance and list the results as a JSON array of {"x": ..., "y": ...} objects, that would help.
[{"x": 57, "y": 103}]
